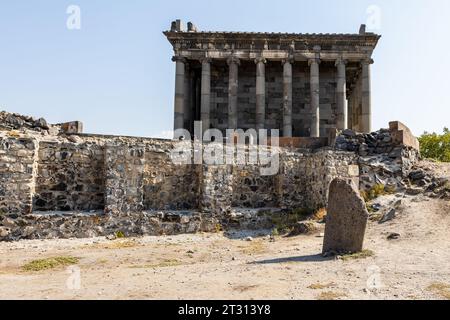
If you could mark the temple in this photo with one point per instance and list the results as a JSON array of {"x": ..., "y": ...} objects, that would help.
[{"x": 302, "y": 84}]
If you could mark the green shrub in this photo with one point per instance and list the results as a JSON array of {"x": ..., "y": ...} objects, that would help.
[
  {"x": 436, "y": 146},
  {"x": 120, "y": 235}
]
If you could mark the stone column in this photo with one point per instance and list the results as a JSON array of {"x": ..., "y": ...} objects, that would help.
[
  {"x": 366, "y": 114},
  {"x": 179, "y": 92},
  {"x": 206, "y": 93},
  {"x": 188, "y": 115},
  {"x": 287, "y": 97},
  {"x": 260, "y": 93},
  {"x": 341, "y": 96},
  {"x": 233, "y": 64},
  {"x": 315, "y": 97}
]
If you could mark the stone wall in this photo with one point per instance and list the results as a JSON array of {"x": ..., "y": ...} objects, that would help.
[
  {"x": 104, "y": 184},
  {"x": 305, "y": 177},
  {"x": 124, "y": 182},
  {"x": 17, "y": 174},
  {"x": 252, "y": 190},
  {"x": 383, "y": 156},
  {"x": 70, "y": 177},
  {"x": 168, "y": 186}
]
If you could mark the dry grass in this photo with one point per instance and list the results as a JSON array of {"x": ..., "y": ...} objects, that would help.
[
  {"x": 14, "y": 134},
  {"x": 330, "y": 295},
  {"x": 359, "y": 255},
  {"x": 375, "y": 217},
  {"x": 117, "y": 244},
  {"x": 320, "y": 215},
  {"x": 319, "y": 286},
  {"x": 254, "y": 247},
  {"x": 376, "y": 191},
  {"x": 50, "y": 263},
  {"x": 440, "y": 289}
]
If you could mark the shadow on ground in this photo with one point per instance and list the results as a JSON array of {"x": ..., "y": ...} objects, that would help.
[
  {"x": 243, "y": 234},
  {"x": 309, "y": 258}
]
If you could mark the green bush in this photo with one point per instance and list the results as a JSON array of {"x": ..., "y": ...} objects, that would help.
[{"x": 436, "y": 146}]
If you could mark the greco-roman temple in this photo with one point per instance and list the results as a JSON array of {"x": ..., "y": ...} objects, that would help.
[{"x": 302, "y": 84}]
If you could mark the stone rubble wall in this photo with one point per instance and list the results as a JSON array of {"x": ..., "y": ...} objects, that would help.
[
  {"x": 385, "y": 156},
  {"x": 168, "y": 186},
  {"x": 17, "y": 174},
  {"x": 70, "y": 177},
  {"x": 84, "y": 185}
]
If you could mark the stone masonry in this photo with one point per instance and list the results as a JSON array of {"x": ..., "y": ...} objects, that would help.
[{"x": 83, "y": 185}]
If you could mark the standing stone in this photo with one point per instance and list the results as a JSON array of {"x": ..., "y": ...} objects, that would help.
[{"x": 346, "y": 219}]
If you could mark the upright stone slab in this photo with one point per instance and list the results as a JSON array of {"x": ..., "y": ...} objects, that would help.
[{"x": 346, "y": 219}]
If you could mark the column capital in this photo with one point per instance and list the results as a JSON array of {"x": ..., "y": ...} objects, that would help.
[
  {"x": 260, "y": 60},
  {"x": 205, "y": 60},
  {"x": 179, "y": 59},
  {"x": 315, "y": 60},
  {"x": 340, "y": 61},
  {"x": 233, "y": 60},
  {"x": 289, "y": 59},
  {"x": 367, "y": 61}
]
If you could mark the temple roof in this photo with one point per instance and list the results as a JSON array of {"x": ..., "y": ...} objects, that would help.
[
  {"x": 192, "y": 41},
  {"x": 368, "y": 39}
]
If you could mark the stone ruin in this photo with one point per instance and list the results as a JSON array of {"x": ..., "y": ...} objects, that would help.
[{"x": 59, "y": 182}]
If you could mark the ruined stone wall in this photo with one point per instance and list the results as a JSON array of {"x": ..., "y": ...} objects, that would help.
[
  {"x": 305, "y": 177},
  {"x": 302, "y": 181},
  {"x": 17, "y": 174},
  {"x": 252, "y": 190},
  {"x": 322, "y": 168},
  {"x": 70, "y": 177},
  {"x": 124, "y": 165},
  {"x": 216, "y": 189},
  {"x": 143, "y": 177},
  {"x": 168, "y": 186}
]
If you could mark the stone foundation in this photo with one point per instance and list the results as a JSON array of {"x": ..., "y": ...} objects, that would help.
[{"x": 83, "y": 185}]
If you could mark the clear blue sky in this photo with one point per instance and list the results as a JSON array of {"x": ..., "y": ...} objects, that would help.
[{"x": 115, "y": 74}]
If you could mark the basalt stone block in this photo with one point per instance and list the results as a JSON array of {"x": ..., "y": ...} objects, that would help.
[{"x": 346, "y": 219}]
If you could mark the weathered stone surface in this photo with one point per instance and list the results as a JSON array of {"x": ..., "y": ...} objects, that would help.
[
  {"x": 383, "y": 159},
  {"x": 346, "y": 219},
  {"x": 402, "y": 135}
]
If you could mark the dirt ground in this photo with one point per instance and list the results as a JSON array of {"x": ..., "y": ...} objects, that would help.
[{"x": 218, "y": 266}]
